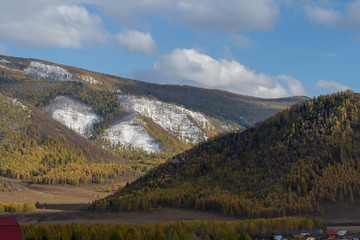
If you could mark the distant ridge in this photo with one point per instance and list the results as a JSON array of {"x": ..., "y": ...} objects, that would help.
[{"x": 241, "y": 109}]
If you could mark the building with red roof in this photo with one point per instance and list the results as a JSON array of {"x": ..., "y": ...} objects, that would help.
[
  {"x": 10, "y": 229},
  {"x": 330, "y": 234}
]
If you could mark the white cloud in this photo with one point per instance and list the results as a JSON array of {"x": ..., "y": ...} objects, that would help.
[
  {"x": 338, "y": 16},
  {"x": 294, "y": 85},
  {"x": 242, "y": 41},
  {"x": 330, "y": 86},
  {"x": 42, "y": 23},
  {"x": 328, "y": 17},
  {"x": 188, "y": 66},
  {"x": 226, "y": 15},
  {"x": 137, "y": 41},
  {"x": 230, "y": 14},
  {"x": 128, "y": 10}
]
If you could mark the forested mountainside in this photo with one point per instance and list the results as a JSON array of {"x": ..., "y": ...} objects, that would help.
[
  {"x": 287, "y": 164},
  {"x": 37, "y": 148},
  {"x": 144, "y": 130},
  {"x": 146, "y": 123}
]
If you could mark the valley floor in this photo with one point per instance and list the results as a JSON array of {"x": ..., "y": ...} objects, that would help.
[
  {"x": 65, "y": 204},
  {"x": 344, "y": 215},
  {"x": 79, "y": 214}
]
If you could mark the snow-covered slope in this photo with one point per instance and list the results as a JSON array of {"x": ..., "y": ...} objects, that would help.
[
  {"x": 48, "y": 72},
  {"x": 88, "y": 79},
  {"x": 3, "y": 60},
  {"x": 73, "y": 113},
  {"x": 185, "y": 125},
  {"x": 172, "y": 118},
  {"x": 129, "y": 131}
]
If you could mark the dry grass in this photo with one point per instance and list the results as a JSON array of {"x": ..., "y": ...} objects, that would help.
[{"x": 68, "y": 204}]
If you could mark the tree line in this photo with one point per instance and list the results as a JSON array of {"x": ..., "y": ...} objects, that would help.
[{"x": 243, "y": 229}]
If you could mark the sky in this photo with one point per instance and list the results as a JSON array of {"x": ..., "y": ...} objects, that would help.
[{"x": 262, "y": 48}]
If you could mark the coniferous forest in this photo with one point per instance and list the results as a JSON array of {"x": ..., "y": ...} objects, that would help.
[
  {"x": 243, "y": 229},
  {"x": 287, "y": 164}
]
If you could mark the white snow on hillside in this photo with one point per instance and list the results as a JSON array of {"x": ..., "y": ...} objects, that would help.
[
  {"x": 172, "y": 118},
  {"x": 88, "y": 79},
  {"x": 3, "y": 60},
  {"x": 73, "y": 113},
  {"x": 48, "y": 72},
  {"x": 129, "y": 131}
]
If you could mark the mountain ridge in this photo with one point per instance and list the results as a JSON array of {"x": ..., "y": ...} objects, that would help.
[{"x": 191, "y": 97}]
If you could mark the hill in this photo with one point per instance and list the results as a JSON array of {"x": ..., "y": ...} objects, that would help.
[
  {"x": 144, "y": 122},
  {"x": 288, "y": 164},
  {"x": 241, "y": 109},
  {"x": 35, "y": 147}
]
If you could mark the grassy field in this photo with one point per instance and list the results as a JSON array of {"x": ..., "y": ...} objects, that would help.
[{"x": 68, "y": 204}]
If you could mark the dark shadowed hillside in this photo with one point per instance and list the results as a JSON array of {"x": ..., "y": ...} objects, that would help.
[{"x": 287, "y": 164}]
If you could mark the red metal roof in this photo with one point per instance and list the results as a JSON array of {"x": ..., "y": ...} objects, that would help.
[
  {"x": 331, "y": 233},
  {"x": 8, "y": 221},
  {"x": 10, "y": 229}
]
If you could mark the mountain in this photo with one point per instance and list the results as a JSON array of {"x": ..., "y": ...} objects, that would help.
[
  {"x": 147, "y": 123},
  {"x": 35, "y": 147},
  {"x": 288, "y": 164},
  {"x": 241, "y": 109}
]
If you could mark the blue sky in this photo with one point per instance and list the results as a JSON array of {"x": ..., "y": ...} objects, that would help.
[{"x": 264, "y": 48}]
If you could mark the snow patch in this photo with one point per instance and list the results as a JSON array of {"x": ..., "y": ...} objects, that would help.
[
  {"x": 88, "y": 79},
  {"x": 200, "y": 119},
  {"x": 172, "y": 118},
  {"x": 3, "y": 60},
  {"x": 129, "y": 131},
  {"x": 48, "y": 72},
  {"x": 73, "y": 113}
]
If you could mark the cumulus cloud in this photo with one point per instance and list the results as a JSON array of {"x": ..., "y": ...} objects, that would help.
[
  {"x": 42, "y": 23},
  {"x": 294, "y": 85},
  {"x": 330, "y": 86},
  {"x": 128, "y": 10},
  {"x": 188, "y": 66},
  {"x": 242, "y": 41},
  {"x": 343, "y": 16},
  {"x": 209, "y": 14},
  {"x": 137, "y": 41},
  {"x": 230, "y": 14}
]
